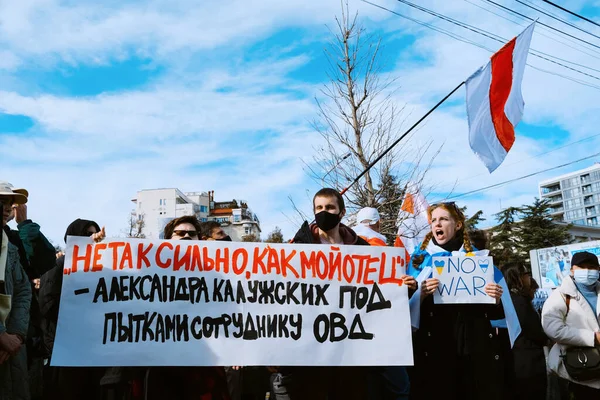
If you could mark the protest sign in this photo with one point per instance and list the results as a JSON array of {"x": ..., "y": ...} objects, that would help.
[
  {"x": 463, "y": 279},
  {"x": 551, "y": 265},
  {"x": 134, "y": 302}
]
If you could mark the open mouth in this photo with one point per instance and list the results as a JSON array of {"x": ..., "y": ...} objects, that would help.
[{"x": 439, "y": 234}]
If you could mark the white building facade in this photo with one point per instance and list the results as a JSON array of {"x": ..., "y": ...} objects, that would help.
[
  {"x": 575, "y": 197},
  {"x": 159, "y": 206}
]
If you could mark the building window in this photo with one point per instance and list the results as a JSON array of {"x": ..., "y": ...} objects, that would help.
[
  {"x": 248, "y": 231},
  {"x": 203, "y": 209},
  {"x": 164, "y": 202},
  {"x": 160, "y": 202}
]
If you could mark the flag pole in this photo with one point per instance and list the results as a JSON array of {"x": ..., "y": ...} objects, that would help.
[{"x": 400, "y": 138}]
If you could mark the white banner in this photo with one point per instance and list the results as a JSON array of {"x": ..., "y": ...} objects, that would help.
[
  {"x": 463, "y": 279},
  {"x": 551, "y": 265},
  {"x": 134, "y": 302}
]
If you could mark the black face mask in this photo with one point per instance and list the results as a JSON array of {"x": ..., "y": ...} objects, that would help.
[
  {"x": 225, "y": 239},
  {"x": 326, "y": 221},
  {"x": 186, "y": 238}
]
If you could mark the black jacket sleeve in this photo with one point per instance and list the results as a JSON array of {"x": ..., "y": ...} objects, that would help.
[{"x": 531, "y": 326}]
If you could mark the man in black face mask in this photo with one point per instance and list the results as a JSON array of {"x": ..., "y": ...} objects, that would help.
[
  {"x": 212, "y": 230},
  {"x": 320, "y": 383},
  {"x": 329, "y": 209}
]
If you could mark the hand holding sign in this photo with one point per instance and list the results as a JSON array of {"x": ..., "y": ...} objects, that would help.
[
  {"x": 409, "y": 281},
  {"x": 494, "y": 290},
  {"x": 464, "y": 279},
  {"x": 429, "y": 286}
]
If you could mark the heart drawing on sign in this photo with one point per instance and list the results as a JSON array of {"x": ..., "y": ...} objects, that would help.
[
  {"x": 439, "y": 265},
  {"x": 484, "y": 264}
]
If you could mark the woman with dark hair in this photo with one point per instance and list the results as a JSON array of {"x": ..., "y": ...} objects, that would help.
[
  {"x": 457, "y": 354},
  {"x": 528, "y": 350},
  {"x": 66, "y": 383}
]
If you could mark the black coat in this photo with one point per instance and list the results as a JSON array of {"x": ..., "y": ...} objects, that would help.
[
  {"x": 457, "y": 352},
  {"x": 320, "y": 383},
  {"x": 528, "y": 351}
]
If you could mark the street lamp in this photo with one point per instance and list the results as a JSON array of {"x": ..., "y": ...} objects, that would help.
[{"x": 334, "y": 167}]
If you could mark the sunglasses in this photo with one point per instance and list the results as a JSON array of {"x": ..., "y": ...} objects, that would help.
[
  {"x": 447, "y": 204},
  {"x": 182, "y": 233}
]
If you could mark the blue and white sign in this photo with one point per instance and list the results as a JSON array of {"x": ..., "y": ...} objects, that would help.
[{"x": 463, "y": 279}]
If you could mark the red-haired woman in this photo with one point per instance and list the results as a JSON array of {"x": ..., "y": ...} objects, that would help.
[{"x": 457, "y": 353}]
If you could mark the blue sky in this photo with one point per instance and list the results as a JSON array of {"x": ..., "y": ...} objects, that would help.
[{"x": 101, "y": 99}]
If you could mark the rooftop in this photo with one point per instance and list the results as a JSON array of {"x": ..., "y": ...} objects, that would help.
[{"x": 594, "y": 167}]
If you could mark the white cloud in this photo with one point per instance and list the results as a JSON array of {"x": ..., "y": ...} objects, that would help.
[{"x": 92, "y": 154}]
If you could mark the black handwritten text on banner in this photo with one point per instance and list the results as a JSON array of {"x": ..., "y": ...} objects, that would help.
[{"x": 132, "y": 302}]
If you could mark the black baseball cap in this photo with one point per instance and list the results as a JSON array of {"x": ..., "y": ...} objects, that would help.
[{"x": 584, "y": 258}]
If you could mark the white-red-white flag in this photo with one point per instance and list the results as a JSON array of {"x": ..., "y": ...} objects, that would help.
[
  {"x": 412, "y": 219},
  {"x": 495, "y": 103}
]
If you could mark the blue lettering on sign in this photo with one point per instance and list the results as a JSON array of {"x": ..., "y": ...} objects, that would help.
[
  {"x": 458, "y": 286},
  {"x": 443, "y": 288},
  {"x": 476, "y": 288},
  {"x": 476, "y": 284},
  {"x": 465, "y": 265},
  {"x": 452, "y": 263},
  {"x": 467, "y": 260}
]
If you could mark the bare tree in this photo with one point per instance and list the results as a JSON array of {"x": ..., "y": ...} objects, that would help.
[
  {"x": 135, "y": 227},
  {"x": 359, "y": 117}
]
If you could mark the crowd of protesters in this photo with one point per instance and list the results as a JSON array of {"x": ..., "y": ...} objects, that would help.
[{"x": 461, "y": 351}]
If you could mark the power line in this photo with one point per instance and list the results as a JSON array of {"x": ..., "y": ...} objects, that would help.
[
  {"x": 483, "y": 189},
  {"x": 432, "y": 27},
  {"x": 579, "y": 48},
  {"x": 535, "y": 156},
  {"x": 571, "y": 12},
  {"x": 579, "y": 81},
  {"x": 557, "y": 18},
  {"x": 541, "y": 23},
  {"x": 499, "y": 38},
  {"x": 476, "y": 44}
]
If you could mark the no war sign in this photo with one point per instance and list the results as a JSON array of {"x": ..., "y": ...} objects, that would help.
[
  {"x": 463, "y": 279},
  {"x": 134, "y": 302}
]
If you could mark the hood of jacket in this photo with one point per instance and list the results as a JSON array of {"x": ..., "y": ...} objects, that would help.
[
  {"x": 310, "y": 234},
  {"x": 79, "y": 227}
]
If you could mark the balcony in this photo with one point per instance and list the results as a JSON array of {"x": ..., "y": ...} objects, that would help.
[
  {"x": 555, "y": 199},
  {"x": 550, "y": 189},
  {"x": 585, "y": 178}
]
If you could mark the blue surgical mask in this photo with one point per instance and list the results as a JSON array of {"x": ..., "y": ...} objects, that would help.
[{"x": 587, "y": 277}]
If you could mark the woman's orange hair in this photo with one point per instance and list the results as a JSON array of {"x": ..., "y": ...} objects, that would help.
[{"x": 457, "y": 215}]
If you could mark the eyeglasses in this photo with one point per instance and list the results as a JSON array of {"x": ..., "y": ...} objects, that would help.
[{"x": 182, "y": 233}]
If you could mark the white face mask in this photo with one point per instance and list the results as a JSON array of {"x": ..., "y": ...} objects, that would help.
[{"x": 586, "y": 277}]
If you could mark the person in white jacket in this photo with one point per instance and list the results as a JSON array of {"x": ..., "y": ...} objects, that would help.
[{"x": 577, "y": 325}]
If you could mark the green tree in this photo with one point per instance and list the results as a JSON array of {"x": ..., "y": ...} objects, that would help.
[
  {"x": 275, "y": 236},
  {"x": 250, "y": 238},
  {"x": 539, "y": 229},
  {"x": 505, "y": 242},
  {"x": 526, "y": 228},
  {"x": 473, "y": 220}
]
